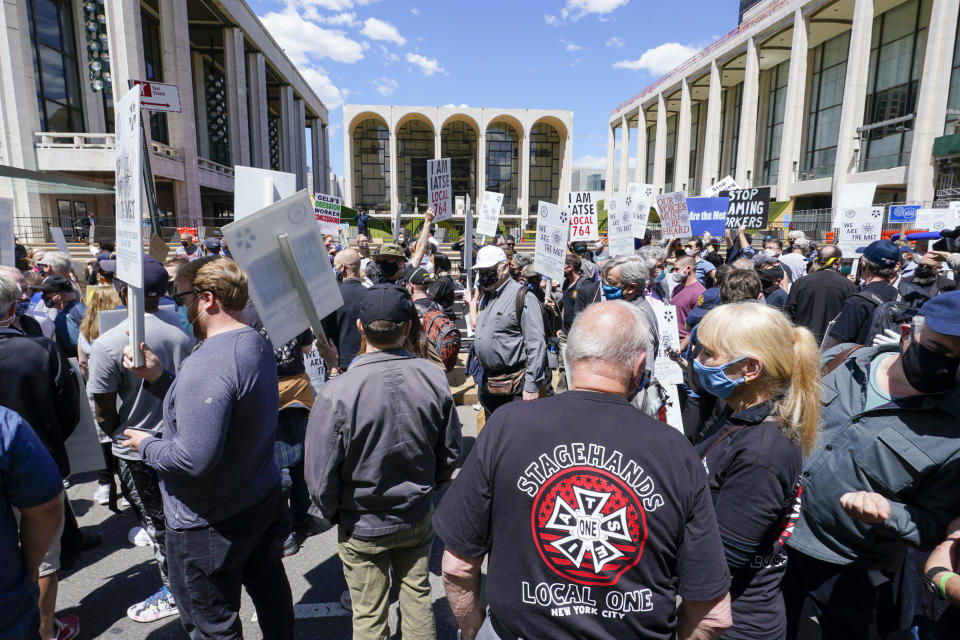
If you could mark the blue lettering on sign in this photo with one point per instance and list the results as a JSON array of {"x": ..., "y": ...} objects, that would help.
[{"x": 904, "y": 214}]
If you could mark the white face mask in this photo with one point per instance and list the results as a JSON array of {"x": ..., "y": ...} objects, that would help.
[{"x": 678, "y": 276}]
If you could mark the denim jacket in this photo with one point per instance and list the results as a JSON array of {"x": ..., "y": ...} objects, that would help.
[{"x": 907, "y": 452}]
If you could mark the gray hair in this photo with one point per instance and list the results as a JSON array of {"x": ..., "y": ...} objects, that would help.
[
  {"x": 953, "y": 261},
  {"x": 523, "y": 259},
  {"x": 9, "y": 293},
  {"x": 613, "y": 332},
  {"x": 59, "y": 262},
  {"x": 652, "y": 253},
  {"x": 633, "y": 268}
]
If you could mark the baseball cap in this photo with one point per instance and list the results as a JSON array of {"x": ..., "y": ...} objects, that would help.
[
  {"x": 156, "y": 280},
  {"x": 420, "y": 276},
  {"x": 881, "y": 252},
  {"x": 212, "y": 243},
  {"x": 579, "y": 246},
  {"x": 389, "y": 251},
  {"x": 489, "y": 257},
  {"x": 762, "y": 258},
  {"x": 942, "y": 313},
  {"x": 107, "y": 266},
  {"x": 385, "y": 302},
  {"x": 55, "y": 284},
  {"x": 707, "y": 301}
]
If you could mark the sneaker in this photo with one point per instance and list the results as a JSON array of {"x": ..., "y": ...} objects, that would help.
[
  {"x": 66, "y": 627},
  {"x": 292, "y": 543},
  {"x": 102, "y": 494},
  {"x": 158, "y": 606},
  {"x": 345, "y": 601},
  {"x": 123, "y": 503},
  {"x": 66, "y": 483},
  {"x": 139, "y": 537},
  {"x": 477, "y": 406}
]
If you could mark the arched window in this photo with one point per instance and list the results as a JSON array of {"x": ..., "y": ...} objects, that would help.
[{"x": 371, "y": 165}]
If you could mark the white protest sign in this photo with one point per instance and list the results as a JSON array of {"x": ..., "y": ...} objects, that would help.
[
  {"x": 8, "y": 254},
  {"x": 316, "y": 368},
  {"x": 489, "y": 216},
  {"x": 254, "y": 189},
  {"x": 937, "y": 219},
  {"x": 666, "y": 371},
  {"x": 639, "y": 200},
  {"x": 326, "y": 209},
  {"x": 59, "y": 239},
  {"x": 674, "y": 217},
  {"x": 859, "y": 226},
  {"x": 727, "y": 184},
  {"x": 440, "y": 189},
  {"x": 255, "y": 247},
  {"x": 856, "y": 194},
  {"x": 550, "y": 251},
  {"x": 619, "y": 226},
  {"x": 583, "y": 215},
  {"x": 129, "y": 187},
  {"x": 83, "y": 445}
]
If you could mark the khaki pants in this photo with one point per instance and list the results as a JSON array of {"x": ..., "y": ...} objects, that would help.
[{"x": 366, "y": 567}]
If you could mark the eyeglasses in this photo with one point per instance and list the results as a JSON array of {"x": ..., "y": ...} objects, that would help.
[{"x": 178, "y": 297}]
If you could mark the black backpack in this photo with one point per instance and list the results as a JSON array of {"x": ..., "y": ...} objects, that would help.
[
  {"x": 551, "y": 319},
  {"x": 890, "y": 315}
]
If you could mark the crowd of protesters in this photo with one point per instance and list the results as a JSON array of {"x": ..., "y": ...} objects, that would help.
[{"x": 804, "y": 465}]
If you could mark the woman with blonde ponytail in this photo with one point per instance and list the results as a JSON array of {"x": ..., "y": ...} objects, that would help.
[{"x": 767, "y": 371}]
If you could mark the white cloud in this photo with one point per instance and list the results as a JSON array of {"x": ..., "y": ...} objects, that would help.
[
  {"x": 303, "y": 40},
  {"x": 323, "y": 86},
  {"x": 450, "y": 105},
  {"x": 429, "y": 66},
  {"x": 334, "y": 5},
  {"x": 379, "y": 30},
  {"x": 659, "y": 60},
  {"x": 385, "y": 86},
  {"x": 614, "y": 41},
  {"x": 551, "y": 20},
  {"x": 389, "y": 55},
  {"x": 590, "y": 161},
  {"x": 571, "y": 46},
  {"x": 346, "y": 19},
  {"x": 576, "y": 9},
  {"x": 415, "y": 11}
]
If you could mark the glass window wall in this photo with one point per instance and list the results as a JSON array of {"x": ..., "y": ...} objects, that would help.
[
  {"x": 371, "y": 165},
  {"x": 503, "y": 162},
  {"x": 826, "y": 104},
  {"x": 776, "y": 101},
  {"x": 544, "y": 165}
]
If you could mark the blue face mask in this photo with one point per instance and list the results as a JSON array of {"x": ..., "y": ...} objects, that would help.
[
  {"x": 715, "y": 381},
  {"x": 612, "y": 293}
]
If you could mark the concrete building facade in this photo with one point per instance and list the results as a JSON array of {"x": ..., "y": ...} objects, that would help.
[
  {"x": 526, "y": 154},
  {"x": 62, "y": 62},
  {"x": 805, "y": 96}
]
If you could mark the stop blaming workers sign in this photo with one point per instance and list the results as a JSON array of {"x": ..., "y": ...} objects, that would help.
[{"x": 439, "y": 188}]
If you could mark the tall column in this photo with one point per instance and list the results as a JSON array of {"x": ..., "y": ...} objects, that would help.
[
  {"x": 325, "y": 146},
  {"x": 660, "y": 148},
  {"x": 681, "y": 160},
  {"x": 347, "y": 163},
  {"x": 124, "y": 38},
  {"x": 747, "y": 149},
  {"x": 711, "y": 139},
  {"x": 287, "y": 141},
  {"x": 791, "y": 141},
  {"x": 436, "y": 143},
  {"x": 178, "y": 69},
  {"x": 238, "y": 121},
  {"x": 257, "y": 111},
  {"x": 854, "y": 94},
  {"x": 624, "y": 176},
  {"x": 200, "y": 104},
  {"x": 300, "y": 142},
  {"x": 481, "y": 163},
  {"x": 640, "y": 172},
  {"x": 611, "y": 142},
  {"x": 316, "y": 159},
  {"x": 394, "y": 193},
  {"x": 932, "y": 103},
  {"x": 523, "y": 201},
  {"x": 566, "y": 167}
]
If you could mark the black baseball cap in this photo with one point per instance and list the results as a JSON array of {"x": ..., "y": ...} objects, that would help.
[
  {"x": 156, "y": 280},
  {"x": 55, "y": 284},
  {"x": 385, "y": 302},
  {"x": 420, "y": 276}
]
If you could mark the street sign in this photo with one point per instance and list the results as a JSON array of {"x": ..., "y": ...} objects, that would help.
[{"x": 158, "y": 96}]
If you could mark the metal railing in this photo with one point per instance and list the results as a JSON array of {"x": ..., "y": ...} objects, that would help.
[
  {"x": 814, "y": 173},
  {"x": 216, "y": 167},
  {"x": 80, "y": 141}
]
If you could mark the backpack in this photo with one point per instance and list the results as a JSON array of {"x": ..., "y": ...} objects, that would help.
[
  {"x": 442, "y": 334},
  {"x": 551, "y": 319},
  {"x": 890, "y": 315}
]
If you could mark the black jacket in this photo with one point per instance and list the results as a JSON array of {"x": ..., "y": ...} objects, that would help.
[
  {"x": 341, "y": 325},
  {"x": 816, "y": 299}
]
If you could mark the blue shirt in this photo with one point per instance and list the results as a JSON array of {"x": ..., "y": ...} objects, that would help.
[
  {"x": 67, "y": 327},
  {"x": 28, "y": 478}
]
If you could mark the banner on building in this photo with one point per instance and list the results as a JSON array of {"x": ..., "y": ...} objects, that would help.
[
  {"x": 583, "y": 215},
  {"x": 708, "y": 215},
  {"x": 440, "y": 188},
  {"x": 749, "y": 208},
  {"x": 489, "y": 217},
  {"x": 550, "y": 251},
  {"x": 858, "y": 227},
  {"x": 619, "y": 226},
  {"x": 327, "y": 210},
  {"x": 674, "y": 216}
]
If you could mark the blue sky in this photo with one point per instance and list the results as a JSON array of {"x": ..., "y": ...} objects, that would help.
[{"x": 583, "y": 55}]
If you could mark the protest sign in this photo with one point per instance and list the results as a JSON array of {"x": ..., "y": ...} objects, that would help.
[
  {"x": 748, "y": 208},
  {"x": 129, "y": 177},
  {"x": 83, "y": 445},
  {"x": 583, "y": 215},
  {"x": 316, "y": 368},
  {"x": 619, "y": 226},
  {"x": 855, "y": 194},
  {"x": 440, "y": 189},
  {"x": 674, "y": 217},
  {"x": 7, "y": 245},
  {"x": 59, "y": 240},
  {"x": 666, "y": 370},
  {"x": 326, "y": 209},
  {"x": 937, "y": 219},
  {"x": 727, "y": 184},
  {"x": 489, "y": 213},
  {"x": 859, "y": 226},
  {"x": 639, "y": 200},
  {"x": 903, "y": 213},
  {"x": 254, "y": 189},
  {"x": 255, "y": 246},
  {"x": 707, "y": 215},
  {"x": 550, "y": 250}
]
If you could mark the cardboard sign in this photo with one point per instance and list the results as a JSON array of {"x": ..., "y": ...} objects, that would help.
[
  {"x": 83, "y": 445},
  {"x": 665, "y": 370},
  {"x": 159, "y": 96},
  {"x": 727, "y": 184},
  {"x": 327, "y": 209},
  {"x": 674, "y": 217},
  {"x": 254, "y": 246},
  {"x": 708, "y": 215},
  {"x": 550, "y": 251},
  {"x": 937, "y": 219},
  {"x": 748, "y": 208},
  {"x": 904, "y": 213},
  {"x": 440, "y": 189},
  {"x": 254, "y": 189},
  {"x": 129, "y": 187},
  {"x": 8, "y": 255},
  {"x": 619, "y": 226},
  {"x": 583, "y": 215},
  {"x": 489, "y": 216},
  {"x": 640, "y": 199},
  {"x": 859, "y": 226},
  {"x": 59, "y": 240}
]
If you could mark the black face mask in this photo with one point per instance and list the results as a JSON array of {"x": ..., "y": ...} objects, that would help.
[
  {"x": 185, "y": 243},
  {"x": 929, "y": 371},
  {"x": 487, "y": 280},
  {"x": 389, "y": 269},
  {"x": 533, "y": 284}
]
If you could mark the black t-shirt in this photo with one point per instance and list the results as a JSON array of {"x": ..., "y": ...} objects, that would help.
[
  {"x": 575, "y": 298},
  {"x": 854, "y": 318},
  {"x": 753, "y": 475},
  {"x": 341, "y": 325},
  {"x": 443, "y": 292},
  {"x": 816, "y": 299},
  {"x": 595, "y": 517}
]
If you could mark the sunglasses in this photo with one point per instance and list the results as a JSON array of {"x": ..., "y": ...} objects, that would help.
[{"x": 178, "y": 297}]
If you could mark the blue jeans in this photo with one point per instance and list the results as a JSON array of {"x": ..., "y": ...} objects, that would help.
[{"x": 208, "y": 565}]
